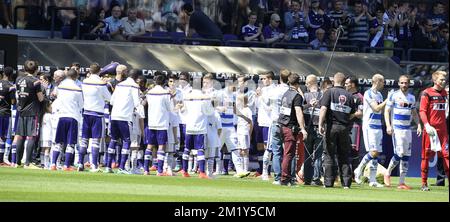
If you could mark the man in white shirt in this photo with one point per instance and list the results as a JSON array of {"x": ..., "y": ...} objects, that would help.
[
  {"x": 132, "y": 26},
  {"x": 124, "y": 100},
  {"x": 264, "y": 122},
  {"x": 197, "y": 107},
  {"x": 159, "y": 108},
  {"x": 275, "y": 137},
  {"x": 372, "y": 130},
  {"x": 95, "y": 93},
  {"x": 69, "y": 103}
]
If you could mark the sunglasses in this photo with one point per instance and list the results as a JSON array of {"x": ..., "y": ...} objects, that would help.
[{"x": 278, "y": 21}]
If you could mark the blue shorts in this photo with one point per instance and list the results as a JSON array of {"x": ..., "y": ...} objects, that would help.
[
  {"x": 155, "y": 137},
  {"x": 67, "y": 131},
  {"x": 262, "y": 135},
  {"x": 195, "y": 141},
  {"x": 120, "y": 130},
  {"x": 4, "y": 126},
  {"x": 93, "y": 127}
]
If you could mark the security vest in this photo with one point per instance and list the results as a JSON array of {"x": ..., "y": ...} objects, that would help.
[{"x": 286, "y": 106}]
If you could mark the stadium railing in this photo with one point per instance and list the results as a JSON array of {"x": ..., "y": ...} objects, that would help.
[
  {"x": 286, "y": 45},
  {"x": 443, "y": 53},
  {"x": 242, "y": 43},
  {"x": 200, "y": 41},
  {"x": 382, "y": 49}
]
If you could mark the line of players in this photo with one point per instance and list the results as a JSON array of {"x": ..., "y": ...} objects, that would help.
[{"x": 205, "y": 119}]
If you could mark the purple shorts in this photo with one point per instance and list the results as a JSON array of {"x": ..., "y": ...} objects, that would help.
[
  {"x": 155, "y": 137},
  {"x": 195, "y": 141},
  {"x": 93, "y": 127},
  {"x": 120, "y": 129},
  {"x": 67, "y": 131},
  {"x": 4, "y": 126},
  {"x": 262, "y": 135}
]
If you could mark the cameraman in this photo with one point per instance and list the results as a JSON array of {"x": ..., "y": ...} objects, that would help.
[{"x": 293, "y": 127}]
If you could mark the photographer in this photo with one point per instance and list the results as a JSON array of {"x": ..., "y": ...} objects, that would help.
[{"x": 293, "y": 127}]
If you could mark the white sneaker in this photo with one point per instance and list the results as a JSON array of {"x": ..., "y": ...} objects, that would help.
[
  {"x": 136, "y": 171},
  {"x": 120, "y": 171},
  {"x": 97, "y": 170},
  {"x": 108, "y": 170},
  {"x": 276, "y": 182},
  {"x": 265, "y": 177},
  {"x": 375, "y": 184},
  {"x": 357, "y": 176}
]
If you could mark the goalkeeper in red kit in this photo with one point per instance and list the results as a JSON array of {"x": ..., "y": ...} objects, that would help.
[{"x": 432, "y": 114}]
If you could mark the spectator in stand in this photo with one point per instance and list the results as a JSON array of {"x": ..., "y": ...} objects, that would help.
[
  {"x": 340, "y": 17},
  {"x": 250, "y": 32},
  {"x": 260, "y": 7},
  {"x": 425, "y": 38},
  {"x": 377, "y": 30},
  {"x": 406, "y": 25},
  {"x": 272, "y": 33},
  {"x": 438, "y": 16},
  {"x": 295, "y": 23},
  {"x": 359, "y": 27},
  {"x": 319, "y": 42},
  {"x": 225, "y": 14},
  {"x": 86, "y": 24},
  {"x": 6, "y": 11},
  {"x": 132, "y": 26},
  {"x": 114, "y": 24},
  {"x": 442, "y": 42},
  {"x": 99, "y": 31},
  {"x": 390, "y": 19},
  {"x": 316, "y": 19},
  {"x": 201, "y": 24},
  {"x": 238, "y": 19}
]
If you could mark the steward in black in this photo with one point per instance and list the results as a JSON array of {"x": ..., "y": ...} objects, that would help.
[{"x": 337, "y": 106}]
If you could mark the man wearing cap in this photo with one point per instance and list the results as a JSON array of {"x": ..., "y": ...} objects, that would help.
[{"x": 272, "y": 33}]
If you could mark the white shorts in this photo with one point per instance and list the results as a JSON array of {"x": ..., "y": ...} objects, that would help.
[
  {"x": 243, "y": 142},
  {"x": 170, "y": 148},
  {"x": 401, "y": 141},
  {"x": 212, "y": 152},
  {"x": 229, "y": 138},
  {"x": 373, "y": 139},
  {"x": 135, "y": 140}
]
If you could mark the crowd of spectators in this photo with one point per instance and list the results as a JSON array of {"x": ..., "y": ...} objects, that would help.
[{"x": 315, "y": 23}]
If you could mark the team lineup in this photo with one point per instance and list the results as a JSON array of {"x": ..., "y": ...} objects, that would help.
[{"x": 182, "y": 124}]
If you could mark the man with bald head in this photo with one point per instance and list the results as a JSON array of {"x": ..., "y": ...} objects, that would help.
[
  {"x": 337, "y": 108},
  {"x": 372, "y": 130}
]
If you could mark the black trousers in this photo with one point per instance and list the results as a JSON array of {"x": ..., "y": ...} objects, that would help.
[
  {"x": 440, "y": 177},
  {"x": 313, "y": 152},
  {"x": 337, "y": 144}
]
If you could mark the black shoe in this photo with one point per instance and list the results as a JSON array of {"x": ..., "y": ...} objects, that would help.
[{"x": 317, "y": 183}]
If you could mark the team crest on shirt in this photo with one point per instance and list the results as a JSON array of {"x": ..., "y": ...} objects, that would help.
[{"x": 342, "y": 99}]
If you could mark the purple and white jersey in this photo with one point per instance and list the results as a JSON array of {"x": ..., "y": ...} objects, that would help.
[
  {"x": 249, "y": 31},
  {"x": 159, "y": 107},
  {"x": 95, "y": 93},
  {"x": 124, "y": 100},
  {"x": 70, "y": 100},
  {"x": 197, "y": 107}
]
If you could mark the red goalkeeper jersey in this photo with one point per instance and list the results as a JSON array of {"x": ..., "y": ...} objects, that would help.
[{"x": 432, "y": 108}]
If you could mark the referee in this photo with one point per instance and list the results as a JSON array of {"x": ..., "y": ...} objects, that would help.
[{"x": 337, "y": 108}]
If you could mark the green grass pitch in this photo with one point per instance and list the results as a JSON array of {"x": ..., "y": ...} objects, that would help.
[{"x": 39, "y": 185}]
